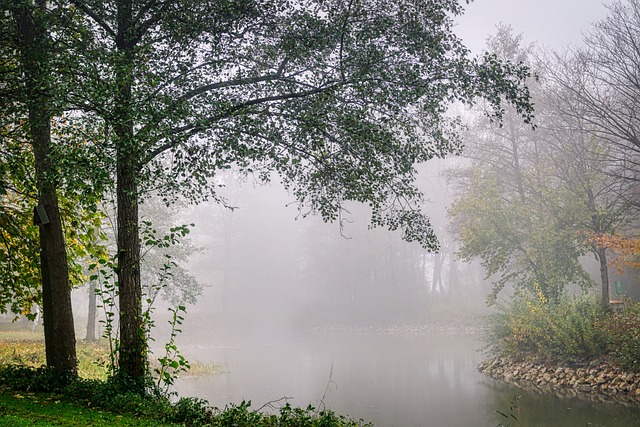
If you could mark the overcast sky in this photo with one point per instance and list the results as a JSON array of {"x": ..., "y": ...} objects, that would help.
[{"x": 550, "y": 23}]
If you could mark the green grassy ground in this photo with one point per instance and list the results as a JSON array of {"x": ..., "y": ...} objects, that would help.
[
  {"x": 23, "y": 347},
  {"x": 29, "y": 409},
  {"x": 20, "y": 408}
]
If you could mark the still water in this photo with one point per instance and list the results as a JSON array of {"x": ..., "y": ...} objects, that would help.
[{"x": 390, "y": 381}]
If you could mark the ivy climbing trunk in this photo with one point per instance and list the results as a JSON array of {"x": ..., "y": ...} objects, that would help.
[
  {"x": 59, "y": 329},
  {"x": 133, "y": 355}
]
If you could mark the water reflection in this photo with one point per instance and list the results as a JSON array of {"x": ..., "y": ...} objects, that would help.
[{"x": 392, "y": 381}]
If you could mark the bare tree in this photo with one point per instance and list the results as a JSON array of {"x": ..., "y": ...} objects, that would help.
[{"x": 603, "y": 82}]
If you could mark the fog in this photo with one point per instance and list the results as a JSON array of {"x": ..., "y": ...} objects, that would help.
[
  {"x": 270, "y": 273},
  {"x": 301, "y": 311},
  {"x": 549, "y": 23},
  {"x": 331, "y": 314}
]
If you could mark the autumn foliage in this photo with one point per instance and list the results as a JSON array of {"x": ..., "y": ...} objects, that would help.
[{"x": 625, "y": 249}]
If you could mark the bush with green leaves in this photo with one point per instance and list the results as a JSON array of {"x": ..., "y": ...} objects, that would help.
[
  {"x": 41, "y": 379},
  {"x": 287, "y": 416},
  {"x": 563, "y": 331},
  {"x": 192, "y": 411},
  {"x": 115, "y": 395},
  {"x": 622, "y": 331}
]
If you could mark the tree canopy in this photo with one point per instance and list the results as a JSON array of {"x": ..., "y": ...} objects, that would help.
[{"x": 339, "y": 99}]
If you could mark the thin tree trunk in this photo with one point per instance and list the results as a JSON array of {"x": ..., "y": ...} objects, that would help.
[
  {"x": 601, "y": 253},
  {"x": 91, "y": 314},
  {"x": 436, "y": 283},
  {"x": 604, "y": 278},
  {"x": 453, "y": 274},
  {"x": 59, "y": 329}
]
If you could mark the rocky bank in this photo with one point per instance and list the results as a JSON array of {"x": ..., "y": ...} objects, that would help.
[{"x": 600, "y": 381}]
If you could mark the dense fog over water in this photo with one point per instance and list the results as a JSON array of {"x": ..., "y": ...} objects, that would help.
[{"x": 269, "y": 270}]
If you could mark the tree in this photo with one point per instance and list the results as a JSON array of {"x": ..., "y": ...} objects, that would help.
[
  {"x": 20, "y": 285},
  {"x": 580, "y": 164},
  {"x": 595, "y": 89},
  {"x": 602, "y": 81},
  {"x": 30, "y": 34},
  {"x": 38, "y": 146},
  {"x": 340, "y": 98},
  {"x": 514, "y": 212},
  {"x": 528, "y": 195},
  {"x": 627, "y": 249},
  {"x": 524, "y": 244},
  {"x": 166, "y": 250}
]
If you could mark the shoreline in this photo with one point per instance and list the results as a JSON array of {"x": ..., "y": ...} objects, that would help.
[
  {"x": 408, "y": 330},
  {"x": 596, "y": 381}
]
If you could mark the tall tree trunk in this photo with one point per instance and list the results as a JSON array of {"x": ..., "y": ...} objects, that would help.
[
  {"x": 517, "y": 168},
  {"x": 601, "y": 253},
  {"x": 133, "y": 354},
  {"x": 132, "y": 361},
  {"x": 91, "y": 314},
  {"x": 453, "y": 274},
  {"x": 59, "y": 329}
]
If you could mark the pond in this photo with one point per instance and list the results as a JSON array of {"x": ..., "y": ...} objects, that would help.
[{"x": 391, "y": 381}]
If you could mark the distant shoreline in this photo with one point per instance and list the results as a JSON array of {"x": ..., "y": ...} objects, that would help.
[{"x": 397, "y": 330}]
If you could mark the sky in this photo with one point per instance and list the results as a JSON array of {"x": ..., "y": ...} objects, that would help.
[{"x": 549, "y": 23}]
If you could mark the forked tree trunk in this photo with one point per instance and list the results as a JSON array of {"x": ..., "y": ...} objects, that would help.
[{"x": 59, "y": 329}]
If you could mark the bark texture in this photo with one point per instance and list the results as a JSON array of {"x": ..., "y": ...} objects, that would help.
[
  {"x": 133, "y": 355},
  {"x": 59, "y": 329}
]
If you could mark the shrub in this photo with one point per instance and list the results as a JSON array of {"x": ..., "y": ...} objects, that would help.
[
  {"x": 622, "y": 331},
  {"x": 192, "y": 411},
  {"x": 26, "y": 378},
  {"x": 563, "y": 331},
  {"x": 288, "y": 416}
]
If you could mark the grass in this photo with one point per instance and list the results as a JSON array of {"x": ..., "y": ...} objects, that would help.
[
  {"x": 27, "y": 348},
  {"x": 23, "y": 347},
  {"x": 33, "y": 409}
]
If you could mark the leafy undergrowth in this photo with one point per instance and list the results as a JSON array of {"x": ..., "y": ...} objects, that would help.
[
  {"x": 45, "y": 409},
  {"x": 37, "y": 396}
]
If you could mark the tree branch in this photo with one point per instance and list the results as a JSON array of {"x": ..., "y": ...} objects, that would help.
[
  {"x": 189, "y": 130},
  {"x": 80, "y": 4}
]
